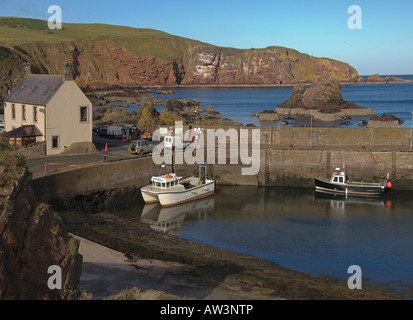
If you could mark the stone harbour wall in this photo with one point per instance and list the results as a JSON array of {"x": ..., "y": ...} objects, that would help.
[{"x": 288, "y": 167}]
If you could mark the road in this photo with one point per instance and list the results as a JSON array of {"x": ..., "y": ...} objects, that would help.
[{"x": 117, "y": 149}]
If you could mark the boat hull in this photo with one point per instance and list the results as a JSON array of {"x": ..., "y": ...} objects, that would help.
[
  {"x": 170, "y": 199},
  {"x": 361, "y": 189},
  {"x": 149, "y": 197}
]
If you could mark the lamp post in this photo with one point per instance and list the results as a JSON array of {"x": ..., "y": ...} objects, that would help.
[
  {"x": 411, "y": 133},
  {"x": 311, "y": 130}
]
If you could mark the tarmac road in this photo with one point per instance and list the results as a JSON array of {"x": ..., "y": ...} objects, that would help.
[{"x": 117, "y": 149}]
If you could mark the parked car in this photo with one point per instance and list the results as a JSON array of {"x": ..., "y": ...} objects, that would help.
[
  {"x": 103, "y": 132},
  {"x": 115, "y": 133},
  {"x": 96, "y": 130},
  {"x": 140, "y": 147}
]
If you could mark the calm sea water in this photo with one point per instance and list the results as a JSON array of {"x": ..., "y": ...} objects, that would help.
[
  {"x": 238, "y": 103},
  {"x": 297, "y": 228}
]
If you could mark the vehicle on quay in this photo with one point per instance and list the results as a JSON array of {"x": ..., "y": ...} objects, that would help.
[
  {"x": 140, "y": 147},
  {"x": 114, "y": 133},
  {"x": 103, "y": 132},
  {"x": 339, "y": 183},
  {"x": 96, "y": 129},
  {"x": 171, "y": 190}
]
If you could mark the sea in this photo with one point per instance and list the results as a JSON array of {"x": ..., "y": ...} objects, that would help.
[{"x": 237, "y": 103}]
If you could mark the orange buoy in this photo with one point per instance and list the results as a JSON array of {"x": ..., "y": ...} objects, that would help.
[
  {"x": 168, "y": 177},
  {"x": 389, "y": 185}
]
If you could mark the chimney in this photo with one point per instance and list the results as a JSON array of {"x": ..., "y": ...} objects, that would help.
[
  {"x": 27, "y": 69},
  {"x": 68, "y": 71}
]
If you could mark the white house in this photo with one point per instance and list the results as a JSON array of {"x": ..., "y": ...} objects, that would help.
[{"x": 48, "y": 108}]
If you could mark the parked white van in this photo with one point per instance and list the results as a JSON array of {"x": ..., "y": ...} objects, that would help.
[{"x": 114, "y": 133}]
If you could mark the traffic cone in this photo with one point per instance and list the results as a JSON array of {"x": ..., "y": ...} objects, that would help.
[{"x": 106, "y": 147}]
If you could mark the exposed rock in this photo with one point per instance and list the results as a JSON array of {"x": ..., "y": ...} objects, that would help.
[
  {"x": 322, "y": 101},
  {"x": 345, "y": 123},
  {"x": 284, "y": 123},
  {"x": 165, "y": 91},
  {"x": 393, "y": 79},
  {"x": 35, "y": 150},
  {"x": 362, "y": 123},
  {"x": 205, "y": 64},
  {"x": 375, "y": 78},
  {"x": 148, "y": 120},
  {"x": 385, "y": 121},
  {"x": 267, "y": 116},
  {"x": 210, "y": 109},
  {"x": 32, "y": 239},
  {"x": 185, "y": 110}
]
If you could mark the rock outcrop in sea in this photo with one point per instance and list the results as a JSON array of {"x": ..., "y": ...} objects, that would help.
[
  {"x": 32, "y": 239},
  {"x": 377, "y": 78},
  {"x": 192, "y": 112},
  {"x": 323, "y": 101},
  {"x": 385, "y": 121}
]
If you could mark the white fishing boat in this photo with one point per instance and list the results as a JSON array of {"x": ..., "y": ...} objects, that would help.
[
  {"x": 159, "y": 184},
  {"x": 170, "y": 190}
]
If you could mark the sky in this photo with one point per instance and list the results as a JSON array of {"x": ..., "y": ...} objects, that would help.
[{"x": 318, "y": 27}]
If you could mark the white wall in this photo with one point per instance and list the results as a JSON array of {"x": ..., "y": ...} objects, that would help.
[{"x": 63, "y": 118}]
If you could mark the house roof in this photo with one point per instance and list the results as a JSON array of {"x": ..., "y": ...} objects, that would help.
[
  {"x": 35, "y": 90},
  {"x": 24, "y": 131}
]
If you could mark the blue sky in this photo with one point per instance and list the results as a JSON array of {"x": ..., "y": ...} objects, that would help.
[{"x": 384, "y": 45}]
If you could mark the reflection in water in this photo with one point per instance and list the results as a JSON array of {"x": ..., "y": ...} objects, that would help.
[
  {"x": 302, "y": 230},
  {"x": 172, "y": 219}
]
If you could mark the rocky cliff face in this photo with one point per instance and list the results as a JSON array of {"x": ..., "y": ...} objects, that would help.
[
  {"x": 32, "y": 239},
  {"x": 114, "y": 62},
  {"x": 205, "y": 64}
]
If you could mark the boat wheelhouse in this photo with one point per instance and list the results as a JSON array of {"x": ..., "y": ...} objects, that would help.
[{"x": 159, "y": 184}]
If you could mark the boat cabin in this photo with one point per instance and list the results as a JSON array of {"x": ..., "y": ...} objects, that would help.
[
  {"x": 339, "y": 176},
  {"x": 166, "y": 181}
]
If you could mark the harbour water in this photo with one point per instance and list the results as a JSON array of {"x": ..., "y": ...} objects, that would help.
[{"x": 303, "y": 230}]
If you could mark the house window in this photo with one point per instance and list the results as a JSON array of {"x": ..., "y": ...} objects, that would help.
[
  {"x": 35, "y": 114},
  {"x": 55, "y": 142},
  {"x": 23, "y": 112},
  {"x": 84, "y": 114},
  {"x": 13, "y": 112}
]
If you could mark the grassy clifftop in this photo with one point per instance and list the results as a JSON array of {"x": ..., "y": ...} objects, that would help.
[{"x": 123, "y": 55}]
